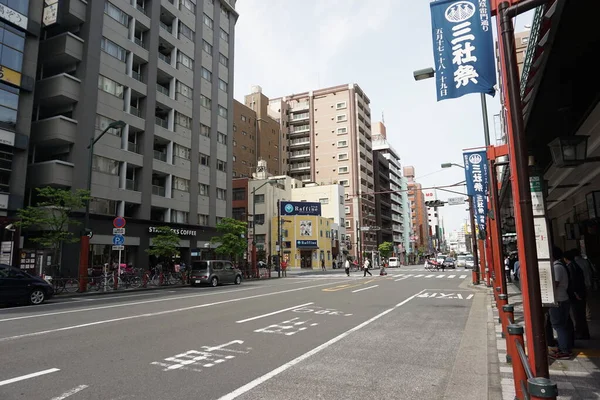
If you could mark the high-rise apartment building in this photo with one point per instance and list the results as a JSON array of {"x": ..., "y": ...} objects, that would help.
[
  {"x": 328, "y": 135},
  {"x": 400, "y": 224},
  {"x": 257, "y": 136},
  {"x": 164, "y": 68},
  {"x": 420, "y": 237}
]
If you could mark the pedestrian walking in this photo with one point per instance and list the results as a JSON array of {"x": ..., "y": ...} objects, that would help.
[
  {"x": 366, "y": 267},
  {"x": 588, "y": 272},
  {"x": 323, "y": 264},
  {"x": 560, "y": 317},
  {"x": 577, "y": 296},
  {"x": 347, "y": 266},
  {"x": 284, "y": 268}
]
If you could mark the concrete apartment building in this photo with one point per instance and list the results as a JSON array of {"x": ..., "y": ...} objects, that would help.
[
  {"x": 420, "y": 237},
  {"x": 329, "y": 142},
  {"x": 398, "y": 199},
  {"x": 165, "y": 68}
]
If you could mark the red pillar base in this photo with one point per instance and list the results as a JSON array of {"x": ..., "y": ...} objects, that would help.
[{"x": 84, "y": 251}]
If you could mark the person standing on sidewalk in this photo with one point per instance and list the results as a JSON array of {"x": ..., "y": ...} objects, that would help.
[
  {"x": 323, "y": 264},
  {"x": 560, "y": 316},
  {"x": 366, "y": 267},
  {"x": 588, "y": 272},
  {"x": 347, "y": 266},
  {"x": 577, "y": 296}
]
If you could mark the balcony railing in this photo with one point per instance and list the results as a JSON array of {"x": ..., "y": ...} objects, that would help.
[
  {"x": 132, "y": 147},
  {"x": 162, "y": 89},
  {"x": 165, "y": 58},
  {"x": 299, "y": 142},
  {"x": 295, "y": 167},
  {"x": 166, "y": 27},
  {"x": 131, "y": 184},
  {"x": 160, "y": 155},
  {"x": 299, "y": 153},
  {"x": 135, "y": 111},
  {"x": 137, "y": 76},
  {"x": 161, "y": 122},
  {"x": 141, "y": 9},
  {"x": 158, "y": 190},
  {"x": 140, "y": 43}
]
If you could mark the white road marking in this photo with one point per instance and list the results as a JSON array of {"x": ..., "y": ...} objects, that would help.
[
  {"x": 28, "y": 376},
  {"x": 429, "y": 276},
  {"x": 401, "y": 279},
  {"x": 366, "y": 288},
  {"x": 272, "y": 313},
  {"x": 440, "y": 276},
  {"x": 138, "y": 302},
  {"x": 70, "y": 392},
  {"x": 418, "y": 276},
  {"x": 409, "y": 275},
  {"x": 451, "y": 276},
  {"x": 462, "y": 277},
  {"x": 262, "y": 379},
  {"x": 154, "y": 314},
  {"x": 97, "y": 298}
]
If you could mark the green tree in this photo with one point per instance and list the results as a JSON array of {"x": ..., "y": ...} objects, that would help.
[
  {"x": 232, "y": 241},
  {"x": 261, "y": 255},
  {"x": 51, "y": 218},
  {"x": 385, "y": 249},
  {"x": 165, "y": 244}
]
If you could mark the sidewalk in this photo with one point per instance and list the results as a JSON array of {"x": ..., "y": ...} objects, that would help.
[{"x": 577, "y": 378}]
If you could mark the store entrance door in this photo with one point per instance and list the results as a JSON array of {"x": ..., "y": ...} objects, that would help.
[{"x": 306, "y": 259}]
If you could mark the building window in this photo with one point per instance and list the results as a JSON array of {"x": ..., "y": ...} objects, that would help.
[
  {"x": 202, "y": 219},
  {"x": 342, "y": 156},
  {"x": 340, "y": 106},
  {"x": 348, "y": 225},
  {"x": 202, "y": 189},
  {"x": 223, "y": 85},
  {"x": 344, "y": 182},
  {"x": 204, "y": 159},
  {"x": 239, "y": 194},
  {"x": 205, "y": 130},
  {"x": 183, "y": 120},
  {"x": 238, "y": 213},
  {"x": 342, "y": 130},
  {"x": 181, "y": 184},
  {"x": 341, "y": 118},
  {"x": 102, "y": 122},
  {"x": 113, "y": 49},
  {"x": 12, "y": 44},
  {"x": 116, "y": 13},
  {"x": 181, "y": 151},
  {"x": 207, "y": 47},
  {"x": 179, "y": 217},
  {"x": 184, "y": 60},
  {"x": 259, "y": 198},
  {"x": 221, "y": 194},
  {"x": 259, "y": 219},
  {"x": 208, "y": 21},
  {"x": 224, "y": 12},
  {"x": 342, "y": 170},
  {"x": 190, "y": 5},
  {"x": 342, "y": 143},
  {"x": 9, "y": 104},
  {"x": 185, "y": 31},
  {"x": 110, "y": 86},
  {"x": 206, "y": 74},
  {"x": 105, "y": 165},
  {"x": 222, "y": 112},
  {"x": 221, "y": 165},
  {"x": 184, "y": 90},
  {"x": 347, "y": 209},
  {"x": 223, "y": 60},
  {"x": 224, "y": 35},
  {"x": 21, "y": 6},
  {"x": 205, "y": 101},
  {"x": 221, "y": 138},
  {"x": 103, "y": 206},
  {"x": 324, "y": 201}
]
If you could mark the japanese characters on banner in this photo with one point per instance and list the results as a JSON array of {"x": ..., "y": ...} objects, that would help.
[
  {"x": 463, "y": 48},
  {"x": 476, "y": 175}
]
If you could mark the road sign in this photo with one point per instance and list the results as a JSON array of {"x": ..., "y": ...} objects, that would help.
[
  {"x": 456, "y": 201},
  {"x": 118, "y": 247},
  {"x": 118, "y": 231},
  {"x": 118, "y": 240},
  {"x": 119, "y": 222}
]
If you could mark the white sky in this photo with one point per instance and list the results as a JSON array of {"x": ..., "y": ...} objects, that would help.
[{"x": 289, "y": 46}]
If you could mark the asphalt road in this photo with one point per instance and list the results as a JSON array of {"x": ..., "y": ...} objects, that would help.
[{"x": 320, "y": 337}]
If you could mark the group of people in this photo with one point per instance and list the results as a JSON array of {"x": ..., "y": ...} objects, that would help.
[
  {"x": 573, "y": 280},
  {"x": 366, "y": 267}
]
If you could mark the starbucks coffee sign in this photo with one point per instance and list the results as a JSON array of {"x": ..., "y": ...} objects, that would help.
[{"x": 180, "y": 232}]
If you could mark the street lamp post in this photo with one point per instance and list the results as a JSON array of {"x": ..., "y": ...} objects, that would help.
[{"x": 87, "y": 233}]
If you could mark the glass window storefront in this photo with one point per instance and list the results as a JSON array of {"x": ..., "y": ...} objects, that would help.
[
  {"x": 21, "y": 6},
  {"x": 11, "y": 47}
]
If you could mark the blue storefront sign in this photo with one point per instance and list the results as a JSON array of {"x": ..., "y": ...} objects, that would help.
[
  {"x": 300, "y": 208},
  {"x": 476, "y": 175},
  {"x": 306, "y": 244},
  {"x": 463, "y": 48}
]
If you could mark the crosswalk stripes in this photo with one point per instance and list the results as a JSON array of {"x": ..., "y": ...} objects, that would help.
[{"x": 436, "y": 276}]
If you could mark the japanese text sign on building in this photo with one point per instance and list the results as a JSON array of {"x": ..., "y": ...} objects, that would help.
[
  {"x": 463, "y": 48},
  {"x": 476, "y": 175}
]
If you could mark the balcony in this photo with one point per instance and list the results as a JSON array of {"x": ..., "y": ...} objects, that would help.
[
  {"x": 300, "y": 166},
  {"x": 398, "y": 239},
  {"x": 166, "y": 27},
  {"x": 165, "y": 58},
  {"x": 50, "y": 173},
  {"x": 141, "y": 9},
  {"x": 300, "y": 154},
  {"x": 131, "y": 184},
  {"x": 300, "y": 107},
  {"x": 134, "y": 148},
  {"x": 140, "y": 43},
  {"x": 135, "y": 111},
  {"x": 396, "y": 198},
  {"x": 161, "y": 122},
  {"x": 137, "y": 76},
  {"x": 54, "y": 131},
  {"x": 158, "y": 190},
  {"x": 397, "y": 228},
  {"x": 396, "y": 217},
  {"x": 162, "y": 89},
  {"x": 297, "y": 118},
  {"x": 304, "y": 142},
  {"x": 72, "y": 12},
  {"x": 64, "y": 49},
  {"x": 396, "y": 208},
  {"x": 160, "y": 155},
  {"x": 57, "y": 91},
  {"x": 298, "y": 130}
]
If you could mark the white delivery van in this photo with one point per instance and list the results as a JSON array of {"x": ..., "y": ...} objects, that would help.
[{"x": 393, "y": 262}]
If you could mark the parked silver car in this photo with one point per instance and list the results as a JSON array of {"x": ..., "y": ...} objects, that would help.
[{"x": 214, "y": 272}]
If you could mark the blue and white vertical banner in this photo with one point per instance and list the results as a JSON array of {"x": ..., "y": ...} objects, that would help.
[
  {"x": 476, "y": 175},
  {"x": 463, "y": 48}
]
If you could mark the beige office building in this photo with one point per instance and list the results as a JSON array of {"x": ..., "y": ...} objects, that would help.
[{"x": 329, "y": 141}]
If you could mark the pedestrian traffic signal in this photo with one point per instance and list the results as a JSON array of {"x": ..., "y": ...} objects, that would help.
[{"x": 434, "y": 203}]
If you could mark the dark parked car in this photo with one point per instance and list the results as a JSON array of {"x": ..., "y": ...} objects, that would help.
[
  {"x": 449, "y": 262},
  {"x": 18, "y": 286},
  {"x": 214, "y": 272}
]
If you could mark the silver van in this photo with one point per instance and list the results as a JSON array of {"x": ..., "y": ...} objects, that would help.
[{"x": 214, "y": 273}]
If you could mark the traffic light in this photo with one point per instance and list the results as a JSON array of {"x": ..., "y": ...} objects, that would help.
[{"x": 434, "y": 203}]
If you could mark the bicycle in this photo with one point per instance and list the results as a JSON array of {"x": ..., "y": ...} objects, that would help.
[{"x": 68, "y": 285}]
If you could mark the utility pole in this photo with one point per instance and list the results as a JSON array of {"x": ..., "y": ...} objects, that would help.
[
  {"x": 279, "y": 243},
  {"x": 475, "y": 272}
]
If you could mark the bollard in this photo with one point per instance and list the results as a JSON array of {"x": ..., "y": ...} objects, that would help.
[
  {"x": 509, "y": 316},
  {"x": 515, "y": 335},
  {"x": 116, "y": 279},
  {"x": 502, "y": 301},
  {"x": 541, "y": 388},
  {"x": 496, "y": 293}
]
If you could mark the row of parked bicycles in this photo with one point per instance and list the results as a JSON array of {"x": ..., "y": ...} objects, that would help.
[{"x": 112, "y": 281}]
